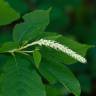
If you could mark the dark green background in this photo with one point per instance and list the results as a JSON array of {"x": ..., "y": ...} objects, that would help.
[{"x": 74, "y": 18}]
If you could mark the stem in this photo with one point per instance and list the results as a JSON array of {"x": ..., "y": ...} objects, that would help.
[
  {"x": 26, "y": 46},
  {"x": 22, "y": 48}
]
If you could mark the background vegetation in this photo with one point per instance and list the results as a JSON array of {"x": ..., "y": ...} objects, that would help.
[{"x": 73, "y": 18}]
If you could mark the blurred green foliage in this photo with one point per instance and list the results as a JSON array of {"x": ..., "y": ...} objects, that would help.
[{"x": 73, "y": 18}]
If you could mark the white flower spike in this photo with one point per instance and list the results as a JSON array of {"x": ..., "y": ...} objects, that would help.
[{"x": 57, "y": 46}]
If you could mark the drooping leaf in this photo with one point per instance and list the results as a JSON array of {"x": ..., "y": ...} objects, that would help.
[
  {"x": 62, "y": 74},
  {"x": 34, "y": 22},
  {"x": 21, "y": 79},
  {"x": 7, "y": 13},
  {"x": 37, "y": 57}
]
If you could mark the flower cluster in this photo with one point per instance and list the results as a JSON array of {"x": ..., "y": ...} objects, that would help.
[{"x": 57, "y": 46}]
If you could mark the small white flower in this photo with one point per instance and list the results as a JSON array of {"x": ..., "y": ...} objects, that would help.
[{"x": 57, "y": 46}]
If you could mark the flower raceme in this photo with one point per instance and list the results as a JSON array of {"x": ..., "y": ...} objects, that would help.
[
  {"x": 55, "y": 45},
  {"x": 59, "y": 47}
]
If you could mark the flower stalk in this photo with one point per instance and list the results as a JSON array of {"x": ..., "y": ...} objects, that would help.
[{"x": 55, "y": 45}]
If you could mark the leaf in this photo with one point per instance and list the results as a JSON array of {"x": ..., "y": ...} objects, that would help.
[
  {"x": 46, "y": 74},
  {"x": 8, "y": 46},
  {"x": 49, "y": 35},
  {"x": 21, "y": 79},
  {"x": 55, "y": 90},
  {"x": 34, "y": 22},
  {"x": 7, "y": 14},
  {"x": 80, "y": 49},
  {"x": 46, "y": 35},
  {"x": 62, "y": 74},
  {"x": 37, "y": 57},
  {"x": 3, "y": 59}
]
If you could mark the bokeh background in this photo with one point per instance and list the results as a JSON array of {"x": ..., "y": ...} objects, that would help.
[{"x": 73, "y": 18}]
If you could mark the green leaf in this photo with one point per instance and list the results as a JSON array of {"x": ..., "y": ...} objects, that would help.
[
  {"x": 79, "y": 48},
  {"x": 49, "y": 35},
  {"x": 37, "y": 57},
  {"x": 7, "y": 13},
  {"x": 20, "y": 79},
  {"x": 34, "y": 22},
  {"x": 55, "y": 90},
  {"x": 63, "y": 75},
  {"x": 46, "y": 74},
  {"x": 3, "y": 59},
  {"x": 8, "y": 46}
]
